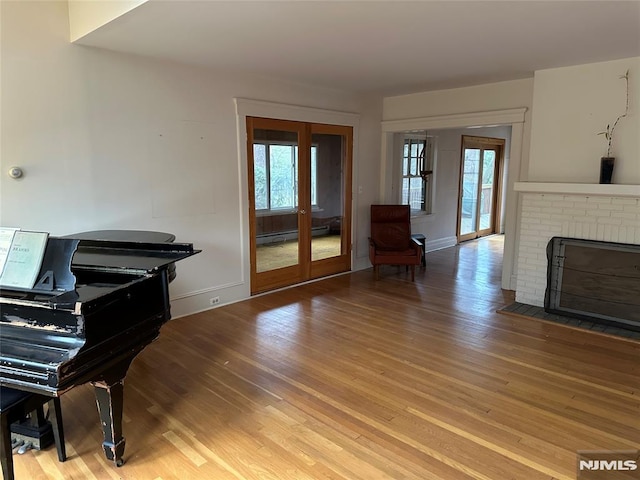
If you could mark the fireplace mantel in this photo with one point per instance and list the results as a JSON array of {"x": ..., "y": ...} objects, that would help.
[{"x": 609, "y": 190}]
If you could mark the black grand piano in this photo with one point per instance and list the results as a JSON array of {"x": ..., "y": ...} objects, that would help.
[{"x": 99, "y": 301}]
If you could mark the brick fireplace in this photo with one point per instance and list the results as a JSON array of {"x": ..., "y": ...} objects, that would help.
[{"x": 608, "y": 213}]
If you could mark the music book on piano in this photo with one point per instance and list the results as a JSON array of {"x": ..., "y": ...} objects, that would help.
[
  {"x": 6, "y": 238},
  {"x": 24, "y": 259}
]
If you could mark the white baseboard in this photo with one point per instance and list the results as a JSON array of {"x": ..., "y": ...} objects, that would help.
[
  {"x": 440, "y": 243},
  {"x": 361, "y": 264}
]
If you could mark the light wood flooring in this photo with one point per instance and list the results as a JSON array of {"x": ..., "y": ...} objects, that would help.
[
  {"x": 285, "y": 253},
  {"x": 352, "y": 378}
]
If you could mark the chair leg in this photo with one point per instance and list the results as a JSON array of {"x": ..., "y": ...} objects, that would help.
[
  {"x": 413, "y": 273},
  {"x": 55, "y": 417},
  {"x": 376, "y": 272},
  {"x": 5, "y": 449}
]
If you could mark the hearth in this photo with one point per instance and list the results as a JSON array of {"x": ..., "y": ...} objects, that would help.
[{"x": 593, "y": 280}]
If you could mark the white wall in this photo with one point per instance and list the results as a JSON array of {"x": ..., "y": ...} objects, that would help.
[
  {"x": 570, "y": 106},
  {"x": 479, "y": 98},
  {"x": 113, "y": 141}
]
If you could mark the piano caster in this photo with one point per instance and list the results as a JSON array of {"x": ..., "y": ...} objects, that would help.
[{"x": 114, "y": 453}]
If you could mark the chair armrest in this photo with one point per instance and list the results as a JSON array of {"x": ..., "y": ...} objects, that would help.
[
  {"x": 415, "y": 244},
  {"x": 372, "y": 249}
]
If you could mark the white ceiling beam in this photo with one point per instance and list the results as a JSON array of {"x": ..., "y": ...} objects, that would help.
[{"x": 85, "y": 16}]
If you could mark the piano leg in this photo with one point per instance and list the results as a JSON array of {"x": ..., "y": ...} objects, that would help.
[
  {"x": 110, "y": 397},
  {"x": 6, "y": 460}
]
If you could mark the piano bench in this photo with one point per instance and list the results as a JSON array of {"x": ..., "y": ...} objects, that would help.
[{"x": 14, "y": 406}]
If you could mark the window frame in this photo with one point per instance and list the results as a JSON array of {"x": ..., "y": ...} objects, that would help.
[
  {"x": 425, "y": 145},
  {"x": 314, "y": 173}
]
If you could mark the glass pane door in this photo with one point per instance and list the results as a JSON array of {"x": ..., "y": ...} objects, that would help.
[
  {"x": 275, "y": 155},
  {"x": 470, "y": 179},
  {"x": 487, "y": 190},
  {"x": 330, "y": 187},
  {"x": 299, "y": 191},
  {"x": 276, "y": 198},
  {"x": 478, "y": 212},
  {"x": 326, "y": 195}
]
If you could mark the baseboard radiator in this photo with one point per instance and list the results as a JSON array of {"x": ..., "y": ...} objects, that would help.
[{"x": 281, "y": 237}]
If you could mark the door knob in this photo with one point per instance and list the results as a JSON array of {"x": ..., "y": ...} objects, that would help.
[{"x": 303, "y": 211}]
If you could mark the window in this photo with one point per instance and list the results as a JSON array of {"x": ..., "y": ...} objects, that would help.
[
  {"x": 275, "y": 170},
  {"x": 417, "y": 173}
]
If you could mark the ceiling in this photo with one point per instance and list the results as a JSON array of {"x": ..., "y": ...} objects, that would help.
[{"x": 386, "y": 47}]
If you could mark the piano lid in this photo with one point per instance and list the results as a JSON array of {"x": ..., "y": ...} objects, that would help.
[
  {"x": 130, "y": 257},
  {"x": 134, "y": 236},
  {"x": 138, "y": 236}
]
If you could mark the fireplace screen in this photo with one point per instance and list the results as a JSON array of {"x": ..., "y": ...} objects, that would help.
[{"x": 596, "y": 281}]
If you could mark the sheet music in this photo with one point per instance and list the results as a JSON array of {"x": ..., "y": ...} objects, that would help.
[
  {"x": 6, "y": 237},
  {"x": 24, "y": 259}
]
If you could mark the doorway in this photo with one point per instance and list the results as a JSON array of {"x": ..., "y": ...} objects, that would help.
[
  {"x": 299, "y": 177},
  {"x": 480, "y": 187}
]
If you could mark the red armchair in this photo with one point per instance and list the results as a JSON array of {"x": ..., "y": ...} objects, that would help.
[{"x": 390, "y": 242}]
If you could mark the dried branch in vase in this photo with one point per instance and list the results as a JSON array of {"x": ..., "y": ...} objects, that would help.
[{"x": 608, "y": 133}]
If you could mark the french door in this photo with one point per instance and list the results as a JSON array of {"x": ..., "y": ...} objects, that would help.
[
  {"x": 480, "y": 192},
  {"x": 299, "y": 201}
]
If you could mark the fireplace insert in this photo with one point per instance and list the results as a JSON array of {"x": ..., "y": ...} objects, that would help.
[{"x": 595, "y": 281}]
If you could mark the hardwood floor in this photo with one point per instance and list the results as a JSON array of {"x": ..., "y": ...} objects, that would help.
[
  {"x": 285, "y": 253},
  {"x": 351, "y": 378}
]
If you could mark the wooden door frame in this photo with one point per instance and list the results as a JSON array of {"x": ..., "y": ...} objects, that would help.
[
  {"x": 328, "y": 266},
  {"x": 239, "y": 283},
  {"x": 261, "y": 281},
  {"x": 305, "y": 269},
  {"x": 481, "y": 142}
]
